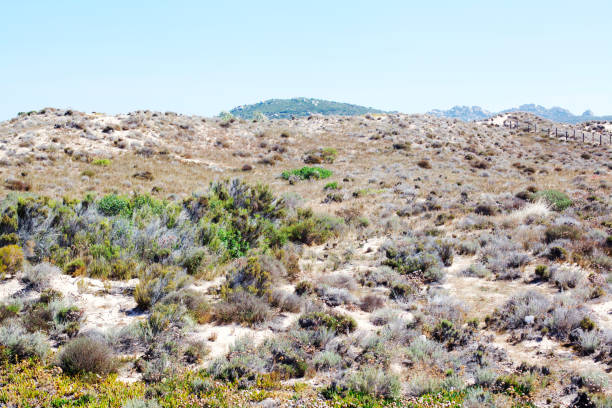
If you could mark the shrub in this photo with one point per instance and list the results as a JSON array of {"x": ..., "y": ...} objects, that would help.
[
  {"x": 529, "y": 303},
  {"x": 304, "y": 288},
  {"x": 334, "y": 186},
  {"x": 375, "y": 382},
  {"x": 21, "y": 344},
  {"x": 588, "y": 341},
  {"x": 339, "y": 323},
  {"x": 557, "y": 232},
  {"x": 369, "y": 303},
  {"x": 11, "y": 259},
  {"x": 423, "y": 384},
  {"x": 139, "y": 403},
  {"x": 326, "y": 360},
  {"x": 194, "y": 301},
  {"x": 542, "y": 272},
  {"x": 17, "y": 185},
  {"x": 478, "y": 398},
  {"x": 478, "y": 270},
  {"x": 306, "y": 173},
  {"x": 558, "y": 200},
  {"x": 156, "y": 282},
  {"x": 567, "y": 276},
  {"x": 86, "y": 355},
  {"x": 40, "y": 275},
  {"x": 196, "y": 351},
  {"x": 485, "y": 377},
  {"x": 241, "y": 307},
  {"x": 594, "y": 380},
  {"x": 485, "y": 209},
  {"x": 254, "y": 274},
  {"x": 424, "y": 164},
  {"x": 76, "y": 267},
  {"x": 324, "y": 155},
  {"x": 113, "y": 204},
  {"x": 308, "y": 228},
  {"x": 101, "y": 162}
]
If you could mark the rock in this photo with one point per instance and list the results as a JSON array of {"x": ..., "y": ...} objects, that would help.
[{"x": 529, "y": 319}]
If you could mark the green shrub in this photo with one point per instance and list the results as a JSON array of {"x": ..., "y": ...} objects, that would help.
[
  {"x": 558, "y": 200},
  {"x": 542, "y": 272},
  {"x": 101, "y": 162},
  {"x": 308, "y": 228},
  {"x": 306, "y": 173},
  {"x": 331, "y": 186},
  {"x": 76, "y": 267},
  {"x": 113, "y": 204},
  {"x": 87, "y": 355},
  {"x": 9, "y": 239},
  {"x": 339, "y": 323}
]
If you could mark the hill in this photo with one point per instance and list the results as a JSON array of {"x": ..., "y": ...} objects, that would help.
[
  {"x": 378, "y": 260},
  {"x": 299, "y": 107},
  {"x": 557, "y": 114}
]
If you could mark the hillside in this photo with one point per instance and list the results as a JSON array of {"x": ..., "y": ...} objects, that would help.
[
  {"x": 153, "y": 259},
  {"x": 299, "y": 107},
  {"x": 556, "y": 114}
]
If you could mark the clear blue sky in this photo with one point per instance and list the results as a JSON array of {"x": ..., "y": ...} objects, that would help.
[{"x": 203, "y": 57}]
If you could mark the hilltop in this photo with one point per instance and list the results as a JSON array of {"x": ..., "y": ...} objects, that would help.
[
  {"x": 299, "y": 107},
  {"x": 556, "y": 114}
]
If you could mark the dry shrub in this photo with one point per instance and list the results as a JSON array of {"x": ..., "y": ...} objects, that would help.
[
  {"x": 87, "y": 355},
  {"x": 424, "y": 164},
  {"x": 17, "y": 185},
  {"x": 369, "y": 303}
]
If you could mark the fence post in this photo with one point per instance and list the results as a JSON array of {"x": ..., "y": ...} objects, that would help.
[
  {"x": 556, "y": 133},
  {"x": 582, "y": 137},
  {"x": 566, "y": 135},
  {"x": 600, "y": 139}
]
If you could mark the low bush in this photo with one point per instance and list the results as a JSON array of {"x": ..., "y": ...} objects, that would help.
[
  {"x": 241, "y": 307},
  {"x": 594, "y": 380},
  {"x": 374, "y": 381},
  {"x": 156, "y": 282},
  {"x": 307, "y": 173},
  {"x": 556, "y": 232},
  {"x": 18, "y": 343},
  {"x": 369, "y": 303},
  {"x": 339, "y": 323},
  {"x": 542, "y": 272},
  {"x": 87, "y": 355},
  {"x": 558, "y": 200},
  {"x": 101, "y": 162},
  {"x": 308, "y": 228},
  {"x": 113, "y": 204},
  {"x": 39, "y": 276},
  {"x": 11, "y": 259}
]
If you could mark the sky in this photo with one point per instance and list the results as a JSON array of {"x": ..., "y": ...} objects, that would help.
[{"x": 202, "y": 57}]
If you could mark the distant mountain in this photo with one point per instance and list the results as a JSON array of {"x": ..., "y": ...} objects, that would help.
[
  {"x": 465, "y": 113},
  {"x": 286, "y": 108},
  {"x": 555, "y": 113}
]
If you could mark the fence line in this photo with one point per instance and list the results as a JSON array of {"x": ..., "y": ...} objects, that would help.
[{"x": 593, "y": 138}]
